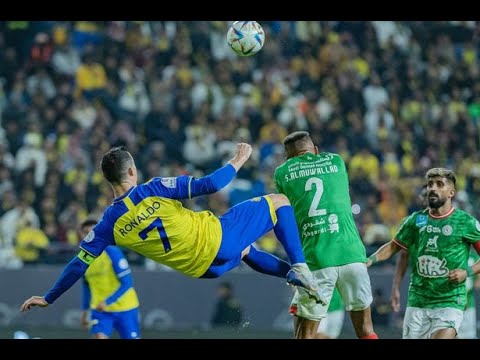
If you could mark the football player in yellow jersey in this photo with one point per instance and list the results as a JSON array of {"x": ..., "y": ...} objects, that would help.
[
  {"x": 149, "y": 219},
  {"x": 109, "y": 294}
]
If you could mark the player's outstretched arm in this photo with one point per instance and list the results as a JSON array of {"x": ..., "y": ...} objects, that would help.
[
  {"x": 33, "y": 301},
  {"x": 75, "y": 269},
  {"x": 400, "y": 269},
  {"x": 221, "y": 177},
  {"x": 242, "y": 154},
  {"x": 384, "y": 253}
]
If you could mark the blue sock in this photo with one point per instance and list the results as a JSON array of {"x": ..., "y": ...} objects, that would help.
[
  {"x": 287, "y": 233},
  {"x": 266, "y": 263}
]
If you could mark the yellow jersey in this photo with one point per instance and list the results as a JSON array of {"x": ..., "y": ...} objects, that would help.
[
  {"x": 149, "y": 220},
  {"x": 105, "y": 278}
]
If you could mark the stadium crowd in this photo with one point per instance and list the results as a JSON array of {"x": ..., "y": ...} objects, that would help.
[{"x": 393, "y": 98}]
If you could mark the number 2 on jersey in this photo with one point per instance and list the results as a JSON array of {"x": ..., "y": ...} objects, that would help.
[
  {"x": 314, "y": 211},
  {"x": 157, "y": 223}
]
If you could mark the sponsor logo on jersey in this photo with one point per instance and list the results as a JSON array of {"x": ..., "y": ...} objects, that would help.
[
  {"x": 325, "y": 157},
  {"x": 447, "y": 230},
  {"x": 431, "y": 229},
  {"x": 421, "y": 220},
  {"x": 333, "y": 224},
  {"x": 169, "y": 182},
  {"x": 123, "y": 264},
  {"x": 333, "y": 219},
  {"x": 477, "y": 225},
  {"x": 431, "y": 267},
  {"x": 432, "y": 242},
  {"x": 90, "y": 236}
]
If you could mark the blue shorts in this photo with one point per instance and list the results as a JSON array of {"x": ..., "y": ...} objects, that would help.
[
  {"x": 125, "y": 322},
  {"x": 242, "y": 225}
]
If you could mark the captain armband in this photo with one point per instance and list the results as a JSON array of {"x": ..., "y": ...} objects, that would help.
[{"x": 86, "y": 257}]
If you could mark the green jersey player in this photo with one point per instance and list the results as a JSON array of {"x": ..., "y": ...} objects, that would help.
[
  {"x": 331, "y": 326},
  {"x": 318, "y": 188},
  {"x": 468, "y": 329},
  {"x": 438, "y": 240}
]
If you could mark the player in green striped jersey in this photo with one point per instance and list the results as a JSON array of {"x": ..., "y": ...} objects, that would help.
[
  {"x": 317, "y": 185},
  {"x": 438, "y": 240}
]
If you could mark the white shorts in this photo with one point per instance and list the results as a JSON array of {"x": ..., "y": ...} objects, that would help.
[
  {"x": 352, "y": 282},
  {"x": 468, "y": 328},
  {"x": 420, "y": 323},
  {"x": 332, "y": 324}
]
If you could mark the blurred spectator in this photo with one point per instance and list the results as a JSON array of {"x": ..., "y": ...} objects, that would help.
[
  {"x": 32, "y": 155},
  {"x": 91, "y": 79},
  {"x": 381, "y": 308},
  {"x": 41, "y": 51},
  {"x": 40, "y": 82},
  {"x": 66, "y": 59},
  {"x": 228, "y": 311},
  {"x": 86, "y": 33},
  {"x": 30, "y": 244},
  {"x": 199, "y": 145},
  {"x": 14, "y": 220}
]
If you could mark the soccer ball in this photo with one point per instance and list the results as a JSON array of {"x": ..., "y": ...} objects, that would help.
[{"x": 246, "y": 38}]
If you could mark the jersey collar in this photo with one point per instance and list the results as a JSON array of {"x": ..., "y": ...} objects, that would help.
[
  {"x": 442, "y": 216},
  {"x": 124, "y": 195}
]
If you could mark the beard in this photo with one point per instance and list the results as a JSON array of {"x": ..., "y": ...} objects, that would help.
[{"x": 436, "y": 202}]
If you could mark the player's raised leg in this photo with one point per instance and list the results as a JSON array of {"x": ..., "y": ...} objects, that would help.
[
  {"x": 287, "y": 233},
  {"x": 265, "y": 263}
]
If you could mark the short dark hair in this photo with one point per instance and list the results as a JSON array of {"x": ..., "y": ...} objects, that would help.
[
  {"x": 295, "y": 136},
  {"x": 295, "y": 142},
  {"x": 88, "y": 222},
  {"x": 115, "y": 164},
  {"x": 442, "y": 172}
]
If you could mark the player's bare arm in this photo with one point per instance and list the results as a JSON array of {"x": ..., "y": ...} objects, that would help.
[
  {"x": 400, "y": 269},
  {"x": 460, "y": 275},
  {"x": 242, "y": 154},
  {"x": 33, "y": 301},
  {"x": 384, "y": 253}
]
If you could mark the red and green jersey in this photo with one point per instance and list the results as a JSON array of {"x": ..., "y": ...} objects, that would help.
[
  {"x": 318, "y": 189},
  {"x": 437, "y": 245}
]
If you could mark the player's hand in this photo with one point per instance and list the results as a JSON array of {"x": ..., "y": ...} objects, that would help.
[
  {"x": 102, "y": 306},
  {"x": 369, "y": 263},
  {"x": 242, "y": 154},
  {"x": 395, "y": 299},
  {"x": 457, "y": 275},
  {"x": 33, "y": 301},
  {"x": 84, "y": 322}
]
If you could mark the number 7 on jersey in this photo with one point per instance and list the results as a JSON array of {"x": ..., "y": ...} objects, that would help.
[{"x": 157, "y": 223}]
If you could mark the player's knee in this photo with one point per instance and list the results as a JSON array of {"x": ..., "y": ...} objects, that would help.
[{"x": 279, "y": 200}]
